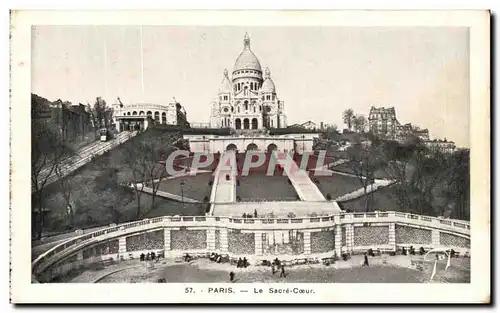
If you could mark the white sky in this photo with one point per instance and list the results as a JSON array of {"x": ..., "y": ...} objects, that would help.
[{"x": 318, "y": 71}]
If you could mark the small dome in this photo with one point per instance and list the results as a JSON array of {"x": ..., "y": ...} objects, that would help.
[
  {"x": 268, "y": 85},
  {"x": 225, "y": 85},
  {"x": 247, "y": 59}
]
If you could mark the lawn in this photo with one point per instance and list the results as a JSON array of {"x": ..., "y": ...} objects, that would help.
[
  {"x": 259, "y": 187},
  {"x": 195, "y": 187},
  {"x": 382, "y": 200},
  {"x": 337, "y": 185}
]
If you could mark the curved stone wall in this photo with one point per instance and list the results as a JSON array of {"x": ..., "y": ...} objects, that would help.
[
  {"x": 371, "y": 235},
  {"x": 152, "y": 240},
  {"x": 188, "y": 240},
  {"x": 305, "y": 237},
  {"x": 408, "y": 234}
]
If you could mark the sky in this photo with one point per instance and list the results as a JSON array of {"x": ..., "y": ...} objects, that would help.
[{"x": 318, "y": 71}]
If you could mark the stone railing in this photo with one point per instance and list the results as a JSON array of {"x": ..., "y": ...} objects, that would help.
[{"x": 450, "y": 227}]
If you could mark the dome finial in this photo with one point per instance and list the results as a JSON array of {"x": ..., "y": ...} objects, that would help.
[
  {"x": 225, "y": 72},
  {"x": 268, "y": 73},
  {"x": 246, "y": 41}
]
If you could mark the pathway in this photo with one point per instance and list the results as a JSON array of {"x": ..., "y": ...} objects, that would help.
[
  {"x": 224, "y": 186},
  {"x": 305, "y": 188},
  {"x": 379, "y": 183}
]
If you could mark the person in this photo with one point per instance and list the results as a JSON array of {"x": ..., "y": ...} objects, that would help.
[
  {"x": 244, "y": 215},
  {"x": 366, "y": 260},
  {"x": 231, "y": 276},
  {"x": 142, "y": 257},
  {"x": 273, "y": 268},
  {"x": 412, "y": 250},
  {"x": 282, "y": 274},
  {"x": 255, "y": 213},
  {"x": 422, "y": 250},
  {"x": 403, "y": 251},
  {"x": 153, "y": 256},
  {"x": 245, "y": 262},
  {"x": 148, "y": 256},
  {"x": 239, "y": 263},
  {"x": 187, "y": 257}
]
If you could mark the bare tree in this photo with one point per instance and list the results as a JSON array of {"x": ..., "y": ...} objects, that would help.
[
  {"x": 138, "y": 167},
  {"x": 359, "y": 123},
  {"x": 48, "y": 151},
  {"x": 100, "y": 114},
  {"x": 348, "y": 117},
  {"x": 158, "y": 149},
  {"x": 364, "y": 161},
  {"x": 66, "y": 190}
]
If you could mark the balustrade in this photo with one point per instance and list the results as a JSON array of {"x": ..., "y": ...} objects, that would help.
[{"x": 197, "y": 239}]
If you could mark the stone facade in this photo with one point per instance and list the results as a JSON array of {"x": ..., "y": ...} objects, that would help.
[
  {"x": 135, "y": 116},
  {"x": 384, "y": 124},
  {"x": 247, "y": 100}
]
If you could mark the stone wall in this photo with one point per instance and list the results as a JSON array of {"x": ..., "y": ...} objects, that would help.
[
  {"x": 107, "y": 247},
  {"x": 407, "y": 234},
  {"x": 217, "y": 239},
  {"x": 241, "y": 243},
  {"x": 188, "y": 239},
  {"x": 454, "y": 241},
  {"x": 322, "y": 241},
  {"x": 371, "y": 235},
  {"x": 146, "y": 241}
]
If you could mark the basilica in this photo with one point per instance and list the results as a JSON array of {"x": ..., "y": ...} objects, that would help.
[{"x": 247, "y": 99}]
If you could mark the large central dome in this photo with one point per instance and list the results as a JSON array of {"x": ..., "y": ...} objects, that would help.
[{"x": 247, "y": 59}]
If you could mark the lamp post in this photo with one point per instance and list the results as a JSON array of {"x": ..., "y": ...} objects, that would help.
[{"x": 182, "y": 191}]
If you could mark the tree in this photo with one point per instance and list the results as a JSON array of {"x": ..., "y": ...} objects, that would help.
[
  {"x": 420, "y": 173},
  {"x": 100, "y": 114},
  {"x": 113, "y": 196},
  {"x": 66, "y": 190},
  {"x": 457, "y": 190},
  {"x": 143, "y": 163},
  {"x": 137, "y": 165},
  {"x": 348, "y": 117},
  {"x": 364, "y": 161},
  {"x": 359, "y": 123},
  {"x": 48, "y": 151},
  {"x": 331, "y": 132}
]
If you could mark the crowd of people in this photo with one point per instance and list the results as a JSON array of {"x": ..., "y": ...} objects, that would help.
[{"x": 249, "y": 215}]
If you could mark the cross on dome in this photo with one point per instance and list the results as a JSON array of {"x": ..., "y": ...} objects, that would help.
[{"x": 246, "y": 41}]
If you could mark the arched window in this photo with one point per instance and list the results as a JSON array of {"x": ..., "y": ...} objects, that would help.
[
  {"x": 157, "y": 116},
  {"x": 128, "y": 113},
  {"x": 141, "y": 113},
  {"x": 238, "y": 109},
  {"x": 164, "y": 118},
  {"x": 254, "y": 109},
  {"x": 246, "y": 105},
  {"x": 149, "y": 114},
  {"x": 251, "y": 86},
  {"x": 254, "y": 123}
]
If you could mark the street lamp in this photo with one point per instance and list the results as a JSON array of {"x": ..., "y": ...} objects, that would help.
[{"x": 182, "y": 191}]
